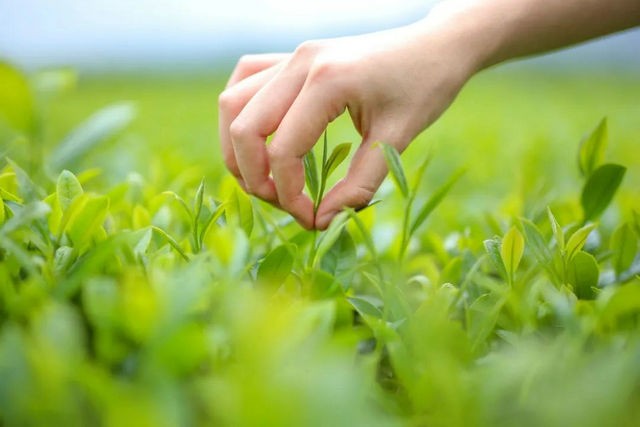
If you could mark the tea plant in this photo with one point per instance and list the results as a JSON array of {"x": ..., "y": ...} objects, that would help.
[{"x": 136, "y": 303}]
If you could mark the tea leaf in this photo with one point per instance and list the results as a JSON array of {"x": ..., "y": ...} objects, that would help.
[
  {"x": 339, "y": 153},
  {"x": 435, "y": 200},
  {"x": 577, "y": 240},
  {"x": 239, "y": 210},
  {"x": 592, "y": 148},
  {"x": 394, "y": 163},
  {"x": 583, "y": 274},
  {"x": 492, "y": 246},
  {"x": 311, "y": 174},
  {"x": 599, "y": 190},
  {"x": 101, "y": 126},
  {"x": 624, "y": 244},
  {"x": 341, "y": 257},
  {"x": 67, "y": 189},
  {"x": 511, "y": 251},
  {"x": 276, "y": 266},
  {"x": 557, "y": 230}
]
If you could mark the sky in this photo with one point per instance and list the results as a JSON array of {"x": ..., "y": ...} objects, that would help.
[{"x": 129, "y": 34}]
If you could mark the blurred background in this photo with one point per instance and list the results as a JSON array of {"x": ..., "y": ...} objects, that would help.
[
  {"x": 166, "y": 35},
  {"x": 169, "y": 60}
]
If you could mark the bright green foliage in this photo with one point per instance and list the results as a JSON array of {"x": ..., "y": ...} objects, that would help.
[
  {"x": 165, "y": 298},
  {"x": 592, "y": 148}
]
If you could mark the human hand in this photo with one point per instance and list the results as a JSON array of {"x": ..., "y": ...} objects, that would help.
[{"x": 393, "y": 84}]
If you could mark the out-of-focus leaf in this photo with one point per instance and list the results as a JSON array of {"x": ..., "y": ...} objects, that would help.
[
  {"x": 578, "y": 239},
  {"x": 434, "y": 201},
  {"x": 583, "y": 274},
  {"x": 600, "y": 188},
  {"x": 511, "y": 251},
  {"x": 330, "y": 236},
  {"x": 276, "y": 266},
  {"x": 492, "y": 246},
  {"x": 341, "y": 258},
  {"x": 365, "y": 307},
  {"x": 86, "y": 220},
  {"x": 624, "y": 245},
  {"x": 67, "y": 189},
  {"x": 394, "y": 164},
  {"x": 592, "y": 148},
  {"x": 239, "y": 211},
  {"x": 101, "y": 126},
  {"x": 25, "y": 216},
  {"x": 557, "y": 230},
  {"x": 16, "y": 99}
]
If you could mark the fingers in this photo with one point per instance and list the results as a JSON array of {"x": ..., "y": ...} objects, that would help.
[
  {"x": 249, "y": 65},
  {"x": 366, "y": 173},
  {"x": 319, "y": 103},
  {"x": 231, "y": 102},
  {"x": 260, "y": 118}
]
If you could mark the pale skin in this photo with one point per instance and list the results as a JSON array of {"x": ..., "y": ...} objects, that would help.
[{"x": 393, "y": 84}]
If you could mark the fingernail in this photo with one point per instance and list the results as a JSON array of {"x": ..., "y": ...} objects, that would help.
[{"x": 323, "y": 221}]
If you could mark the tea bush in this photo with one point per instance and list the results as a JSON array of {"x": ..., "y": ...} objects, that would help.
[{"x": 165, "y": 298}]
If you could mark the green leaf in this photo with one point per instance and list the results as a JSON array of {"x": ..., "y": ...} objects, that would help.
[
  {"x": 341, "y": 258},
  {"x": 329, "y": 237},
  {"x": 392, "y": 157},
  {"x": 171, "y": 241},
  {"x": 435, "y": 199},
  {"x": 592, "y": 148},
  {"x": 577, "y": 240},
  {"x": 599, "y": 190},
  {"x": 25, "y": 216},
  {"x": 16, "y": 99},
  {"x": 239, "y": 211},
  {"x": 339, "y": 153},
  {"x": 557, "y": 230},
  {"x": 311, "y": 174},
  {"x": 511, "y": 251},
  {"x": 492, "y": 246},
  {"x": 624, "y": 245},
  {"x": 87, "y": 219},
  {"x": 67, "y": 189},
  {"x": 584, "y": 274},
  {"x": 364, "y": 307},
  {"x": 417, "y": 180},
  {"x": 101, "y": 126},
  {"x": 276, "y": 266}
]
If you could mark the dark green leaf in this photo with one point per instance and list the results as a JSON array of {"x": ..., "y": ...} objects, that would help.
[
  {"x": 339, "y": 153},
  {"x": 583, "y": 274},
  {"x": 624, "y": 245},
  {"x": 599, "y": 190},
  {"x": 276, "y": 266},
  {"x": 592, "y": 148}
]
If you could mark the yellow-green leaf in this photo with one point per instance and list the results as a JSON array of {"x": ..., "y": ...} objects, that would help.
[{"x": 511, "y": 251}]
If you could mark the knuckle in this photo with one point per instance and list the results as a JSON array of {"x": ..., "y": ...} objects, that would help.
[
  {"x": 238, "y": 131},
  {"x": 276, "y": 154},
  {"x": 307, "y": 50},
  {"x": 324, "y": 71},
  {"x": 228, "y": 101}
]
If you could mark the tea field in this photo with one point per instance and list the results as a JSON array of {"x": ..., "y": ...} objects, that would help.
[{"x": 495, "y": 280}]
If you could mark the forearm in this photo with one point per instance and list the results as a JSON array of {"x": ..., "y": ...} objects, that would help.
[{"x": 492, "y": 31}]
